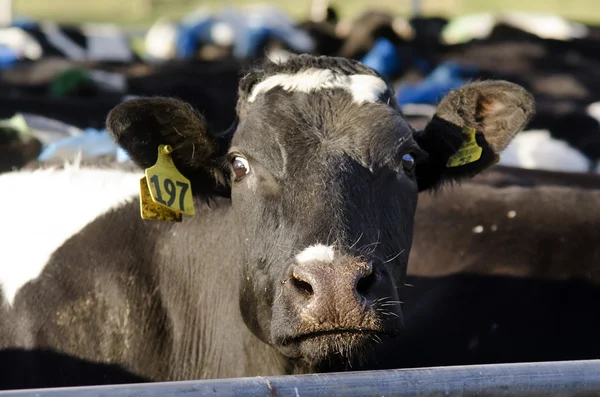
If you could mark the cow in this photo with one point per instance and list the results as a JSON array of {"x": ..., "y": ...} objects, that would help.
[
  {"x": 33, "y": 41},
  {"x": 16, "y": 150},
  {"x": 505, "y": 176},
  {"x": 18, "y": 153},
  {"x": 209, "y": 86},
  {"x": 295, "y": 259},
  {"x": 504, "y": 272}
]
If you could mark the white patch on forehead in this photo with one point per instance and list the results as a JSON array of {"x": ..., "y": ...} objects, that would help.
[
  {"x": 42, "y": 209},
  {"x": 316, "y": 253},
  {"x": 363, "y": 87}
]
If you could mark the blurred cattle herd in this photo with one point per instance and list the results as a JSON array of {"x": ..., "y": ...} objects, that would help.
[
  {"x": 481, "y": 288},
  {"x": 72, "y": 75}
]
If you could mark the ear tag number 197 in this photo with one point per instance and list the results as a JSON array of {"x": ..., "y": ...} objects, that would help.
[{"x": 168, "y": 189}]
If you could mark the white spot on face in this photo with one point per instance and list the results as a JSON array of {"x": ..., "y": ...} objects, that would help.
[
  {"x": 316, "y": 253},
  {"x": 478, "y": 229},
  {"x": 364, "y": 88},
  {"x": 42, "y": 209},
  {"x": 511, "y": 214}
]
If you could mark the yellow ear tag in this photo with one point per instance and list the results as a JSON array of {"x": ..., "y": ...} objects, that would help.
[
  {"x": 469, "y": 152},
  {"x": 152, "y": 211},
  {"x": 167, "y": 186}
]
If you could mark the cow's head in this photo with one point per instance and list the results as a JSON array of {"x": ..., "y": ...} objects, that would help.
[{"x": 323, "y": 173}]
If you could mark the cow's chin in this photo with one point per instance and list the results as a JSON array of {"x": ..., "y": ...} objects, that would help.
[{"x": 339, "y": 345}]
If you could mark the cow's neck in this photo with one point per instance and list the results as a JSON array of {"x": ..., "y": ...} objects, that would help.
[{"x": 199, "y": 286}]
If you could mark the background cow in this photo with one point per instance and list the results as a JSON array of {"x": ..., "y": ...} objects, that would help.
[{"x": 505, "y": 272}]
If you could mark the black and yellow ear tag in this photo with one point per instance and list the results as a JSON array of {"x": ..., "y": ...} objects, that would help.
[
  {"x": 165, "y": 194},
  {"x": 152, "y": 211},
  {"x": 468, "y": 153}
]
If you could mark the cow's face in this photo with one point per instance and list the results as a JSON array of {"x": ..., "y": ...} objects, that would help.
[
  {"x": 325, "y": 191},
  {"x": 323, "y": 174}
]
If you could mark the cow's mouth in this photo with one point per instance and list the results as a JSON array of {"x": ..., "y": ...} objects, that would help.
[
  {"x": 344, "y": 343},
  {"x": 340, "y": 333}
]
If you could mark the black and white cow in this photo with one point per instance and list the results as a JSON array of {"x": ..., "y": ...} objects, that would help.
[
  {"x": 92, "y": 42},
  {"x": 505, "y": 270},
  {"x": 295, "y": 260}
]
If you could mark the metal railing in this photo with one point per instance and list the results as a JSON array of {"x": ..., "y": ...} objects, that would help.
[{"x": 566, "y": 378}]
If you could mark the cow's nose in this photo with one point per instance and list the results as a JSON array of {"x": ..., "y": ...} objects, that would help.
[{"x": 333, "y": 289}]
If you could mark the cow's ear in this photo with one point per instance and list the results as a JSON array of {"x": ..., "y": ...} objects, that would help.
[
  {"x": 141, "y": 125},
  {"x": 470, "y": 128}
]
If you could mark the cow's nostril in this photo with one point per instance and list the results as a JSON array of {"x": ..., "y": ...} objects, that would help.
[
  {"x": 302, "y": 285},
  {"x": 366, "y": 284}
]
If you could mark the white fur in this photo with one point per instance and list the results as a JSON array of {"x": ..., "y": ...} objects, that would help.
[
  {"x": 278, "y": 55},
  {"x": 465, "y": 28},
  {"x": 538, "y": 150},
  {"x": 41, "y": 209},
  {"x": 61, "y": 41},
  {"x": 21, "y": 42},
  {"x": 545, "y": 25},
  {"x": 364, "y": 88},
  {"x": 593, "y": 110},
  {"x": 479, "y": 26},
  {"x": 159, "y": 42},
  {"x": 316, "y": 253},
  {"x": 222, "y": 34},
  {"x": 106, "y": 42}
]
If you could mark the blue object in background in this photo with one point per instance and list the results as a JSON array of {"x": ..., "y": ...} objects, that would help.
[
  {"x": 444, "y": 78},
  {"x": 421, "y": 64},
  {"x": 91, "y": 143},
  {"x": 122, "y": 155},
  {"x": 248, "y": 29},
  {"x": 192, "y": 34},
  {"x": 384, "y": 58},
  {"x": 24, "y": 23},
  {"x": 8, "y": 57},
  {"x": 249, "y": 40}
]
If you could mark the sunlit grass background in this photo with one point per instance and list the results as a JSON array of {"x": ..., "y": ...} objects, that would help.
[{"x": 143, "y": 12}]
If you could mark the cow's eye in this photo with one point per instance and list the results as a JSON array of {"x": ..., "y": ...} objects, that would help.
[
  {"x": 240, "y": 166},
  {"x": 408, "y": 162}
]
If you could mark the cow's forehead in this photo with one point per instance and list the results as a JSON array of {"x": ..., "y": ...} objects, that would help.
[
  {"x": 330, "y": 105},
  {"x": 364, "y": 88},
  {"x": 300, "y": 130}
]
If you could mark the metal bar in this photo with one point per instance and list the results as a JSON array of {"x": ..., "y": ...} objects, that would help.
[{"x": 567, "y": 378}]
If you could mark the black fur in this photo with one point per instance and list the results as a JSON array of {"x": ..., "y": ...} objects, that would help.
[
  {"x": 196, "y": 152},
  {"x": 441, "y": 139}
]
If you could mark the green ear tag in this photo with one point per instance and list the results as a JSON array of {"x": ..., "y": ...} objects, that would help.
[
  {"x": 468, "y": 153},
  {"x": 166, "y": 184}
]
